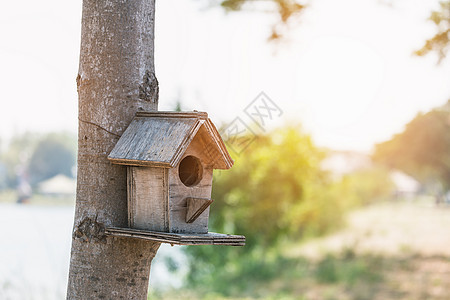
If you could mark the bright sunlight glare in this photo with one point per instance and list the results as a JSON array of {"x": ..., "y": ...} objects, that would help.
[{"x": 339, "y": 78}]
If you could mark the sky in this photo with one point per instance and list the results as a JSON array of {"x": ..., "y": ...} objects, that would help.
[{"x": 344, "y": 70}]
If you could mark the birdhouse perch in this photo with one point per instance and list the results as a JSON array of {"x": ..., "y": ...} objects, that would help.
[{"x": 170, "y": 158}]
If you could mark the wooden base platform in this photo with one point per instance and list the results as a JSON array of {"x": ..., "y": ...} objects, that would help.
[{"x": 209, "y": 238}]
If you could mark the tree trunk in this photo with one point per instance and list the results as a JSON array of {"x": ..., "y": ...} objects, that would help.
[{"x": 116, "y": 79}]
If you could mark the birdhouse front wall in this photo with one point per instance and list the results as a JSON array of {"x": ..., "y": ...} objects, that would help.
[{"x": 179, "y": 191}]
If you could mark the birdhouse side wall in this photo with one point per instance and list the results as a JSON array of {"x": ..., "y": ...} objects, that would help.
[{"x": 148, "y": 198}]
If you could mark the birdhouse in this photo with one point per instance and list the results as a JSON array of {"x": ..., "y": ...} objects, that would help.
[{"x": 170, "y": 157}]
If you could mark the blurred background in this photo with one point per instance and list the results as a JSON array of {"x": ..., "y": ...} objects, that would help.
[{"x": 336, "y": 113}]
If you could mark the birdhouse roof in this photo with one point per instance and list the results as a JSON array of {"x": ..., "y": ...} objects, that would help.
[{"x": 161, "y": 138}]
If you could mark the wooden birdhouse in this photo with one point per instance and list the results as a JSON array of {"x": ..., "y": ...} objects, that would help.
[{"x": 170, "y": 157}]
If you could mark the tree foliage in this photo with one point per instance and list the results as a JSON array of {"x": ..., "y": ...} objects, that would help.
[
  {"x": 39, "y": 156},
  {"x": 422, "y": 149},
  {"x": 288, "y": 9},
  {"x": 439, "y": 43},
  {"x": 269, "y": 195},
  {"x": 269, "y": 187},
  {"x": 53, "y": 155},
  {"x": 16, "y": 155},
  {"x": 276, "y": 194},
  {"x": 285, "y": 9}
]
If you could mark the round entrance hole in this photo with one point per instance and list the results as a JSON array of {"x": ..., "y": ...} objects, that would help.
[{"x": 190, "y": 171}]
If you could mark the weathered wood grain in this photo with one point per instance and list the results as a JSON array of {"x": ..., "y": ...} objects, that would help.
[
  {"x": 148, "y": 198},
  {"x": 195, "y": 206},
  {"x": 153, "y": 146},
  {"x": 209, "y": 238},
  {"x": 161, "y": 139},
  {"x": 173, "y": 114},
  {"x": 178, "y": 192},
  {"x": 149, "y": 141}
]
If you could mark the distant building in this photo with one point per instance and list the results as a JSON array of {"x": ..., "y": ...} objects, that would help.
[
  {"x": 58, "y": 185},
  {"x": 340, "y": 163},
  {"x": 405, "y": 185}
]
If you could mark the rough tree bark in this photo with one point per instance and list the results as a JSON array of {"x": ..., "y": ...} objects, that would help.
[{"x": 116, "y": 79}]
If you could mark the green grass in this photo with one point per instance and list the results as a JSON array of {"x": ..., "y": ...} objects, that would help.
[
  {"x": 356, "y": 276},
  {"x": 349, "y": 269},
  {"x": 340, "y": 276}
]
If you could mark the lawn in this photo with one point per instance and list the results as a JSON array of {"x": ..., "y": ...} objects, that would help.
[{"x": 392, "y": 250}]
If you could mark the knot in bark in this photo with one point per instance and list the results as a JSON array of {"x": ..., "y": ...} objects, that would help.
[
  {"x": 149, "y": 89},
  {"x": 90, "y": 230}
]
